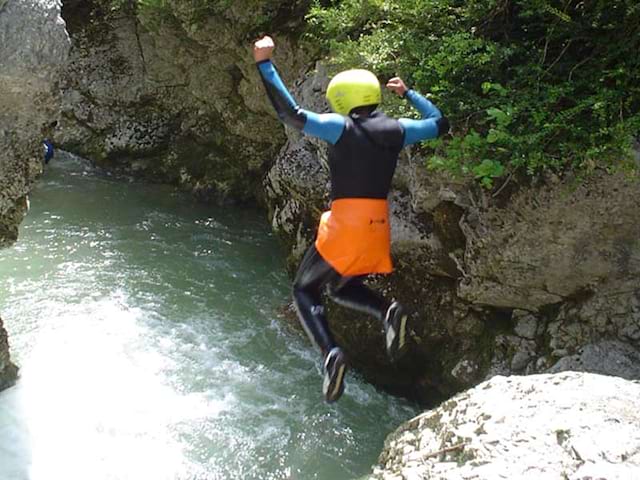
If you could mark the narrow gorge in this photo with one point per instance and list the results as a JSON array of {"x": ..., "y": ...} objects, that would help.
[{"x": 527, "y": 280}]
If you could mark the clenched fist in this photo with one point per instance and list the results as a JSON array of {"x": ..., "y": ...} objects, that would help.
[
  {"x": 397, "y": 85},
  {"x": 263, "y": 48}
]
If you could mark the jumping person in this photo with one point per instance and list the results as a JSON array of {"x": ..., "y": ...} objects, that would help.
[{"x": 354, "y": 237}]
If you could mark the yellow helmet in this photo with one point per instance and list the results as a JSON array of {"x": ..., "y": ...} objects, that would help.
[{"x": 351, "y": 89}]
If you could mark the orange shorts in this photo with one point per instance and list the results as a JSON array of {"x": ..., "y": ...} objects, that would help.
[{"x": 354, "y": 237}]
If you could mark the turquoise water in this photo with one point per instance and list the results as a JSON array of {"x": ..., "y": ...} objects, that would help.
[{"x": 151, "y": 345}]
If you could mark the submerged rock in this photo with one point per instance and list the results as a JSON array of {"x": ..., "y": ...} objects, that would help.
[{"x": 568, "y": 425}]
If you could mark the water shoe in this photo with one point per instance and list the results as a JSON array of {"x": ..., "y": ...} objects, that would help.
[
  {"x": 395, "y": 330},
  {"x": 335, "y": 365}
]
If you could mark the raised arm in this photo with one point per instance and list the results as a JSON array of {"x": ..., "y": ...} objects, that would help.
[
  {"x": 328, "y": 126},
  {"x": 432, "y": 124}
]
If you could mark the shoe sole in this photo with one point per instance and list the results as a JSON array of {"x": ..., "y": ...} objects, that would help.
[
  {"x": 402, "y": 332},
  {"x": 333, "y": 387},
  {"x": 337, "y": 385},
  {"x": 401, "y": 335}
]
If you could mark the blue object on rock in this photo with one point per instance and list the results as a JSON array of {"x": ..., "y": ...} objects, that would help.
[{"x": 48, "y": 150}]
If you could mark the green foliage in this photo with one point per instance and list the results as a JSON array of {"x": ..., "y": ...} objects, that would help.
[
  {"x": 529, "y": 85},
  {"x": 487, "y": 170}
]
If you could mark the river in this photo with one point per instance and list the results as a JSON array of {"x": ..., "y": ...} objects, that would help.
[{"x": 152, "y": 345}]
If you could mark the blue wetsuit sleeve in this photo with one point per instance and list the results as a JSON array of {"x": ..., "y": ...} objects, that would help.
[
  {"x": 432, "y": 124},
  {"x": 328, "y": 126},
  {"x": 423, "y": 105}
]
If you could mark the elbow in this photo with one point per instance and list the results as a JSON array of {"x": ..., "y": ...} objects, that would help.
[
  {"x": 293, "y": 117},
  {"x": 443, "y": 126}
]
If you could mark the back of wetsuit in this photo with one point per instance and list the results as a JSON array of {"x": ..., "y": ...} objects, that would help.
[
  {"x": 364, "y": 159},
  {"x": 354, "y": 236}
]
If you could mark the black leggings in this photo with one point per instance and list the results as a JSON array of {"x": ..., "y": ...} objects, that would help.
[{"x": 315, "y": 273}]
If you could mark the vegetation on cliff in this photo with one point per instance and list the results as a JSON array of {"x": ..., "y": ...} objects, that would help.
[{"x": 529, "y": 84}]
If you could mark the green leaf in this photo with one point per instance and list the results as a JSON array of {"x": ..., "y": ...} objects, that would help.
[
  {"x": 502, "y": 117},
  {"x": 488, "y": 87},
  {"x": 488, "y": 169}
]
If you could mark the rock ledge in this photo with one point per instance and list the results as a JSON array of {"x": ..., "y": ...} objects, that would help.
[{"x": 570, "y": 425}]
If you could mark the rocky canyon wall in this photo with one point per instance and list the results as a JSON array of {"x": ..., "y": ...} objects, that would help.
[
  {"x": 172, "y": 94},
  {"x": 33, "y": 48}
]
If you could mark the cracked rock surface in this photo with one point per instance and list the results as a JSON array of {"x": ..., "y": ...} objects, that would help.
[{"x": 573, "y": 426}]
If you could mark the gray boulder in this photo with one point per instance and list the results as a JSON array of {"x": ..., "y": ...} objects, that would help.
[
  {"x": 573, "y": 426},
  {"x": 609, "y": 357}
]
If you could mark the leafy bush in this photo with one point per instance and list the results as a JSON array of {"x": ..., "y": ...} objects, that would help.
[{"x": 529, "y": 85}]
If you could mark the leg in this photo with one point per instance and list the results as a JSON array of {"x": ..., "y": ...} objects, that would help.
[
  {"x": 353, "y": 293},
  {"x": 313, "y": 274}
]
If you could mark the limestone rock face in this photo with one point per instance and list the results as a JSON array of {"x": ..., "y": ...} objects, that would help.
[
  {"x": 568, "y": 425},
  {"x": 172, "y": 94},
  {"x": 554, "y": 242},
  {"x": 33, "y": 48},
  {"x": 562, "y": 258}
]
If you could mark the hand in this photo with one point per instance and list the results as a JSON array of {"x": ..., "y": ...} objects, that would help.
[
  {"x": 263, "y": 48},
  {"x": 397, "y": 86}
]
